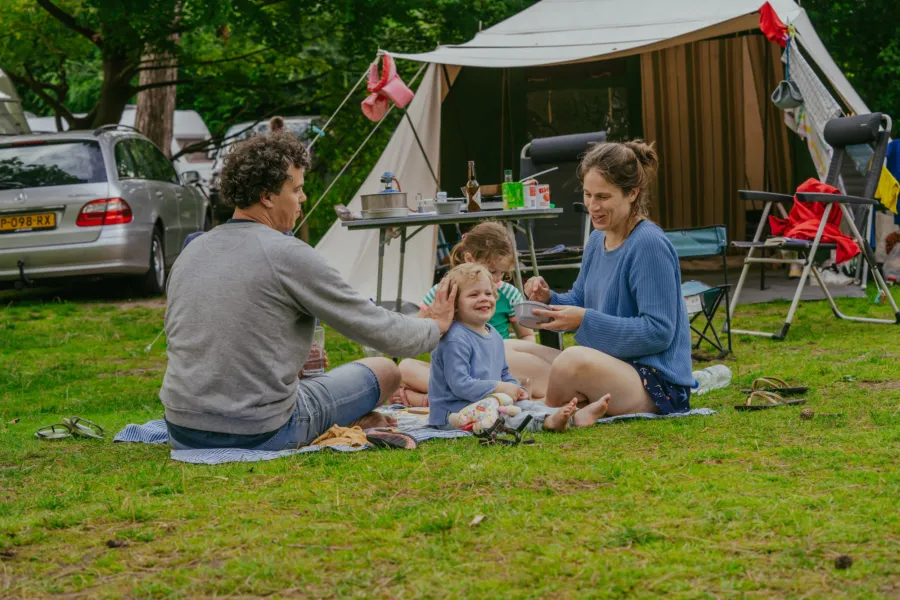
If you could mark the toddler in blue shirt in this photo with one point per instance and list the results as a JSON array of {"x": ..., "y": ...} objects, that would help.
[{"x": 470, "y": 363}]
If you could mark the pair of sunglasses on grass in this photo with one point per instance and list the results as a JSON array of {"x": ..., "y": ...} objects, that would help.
[{"x": 70, "y": 427}]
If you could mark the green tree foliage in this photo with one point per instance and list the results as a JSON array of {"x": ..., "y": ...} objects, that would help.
[{"x": 240, "y": 60}]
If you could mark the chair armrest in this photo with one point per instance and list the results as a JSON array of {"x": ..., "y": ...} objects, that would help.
[
  {"x": 750, "y": 196},
  {"x": 835, "y": 199}
]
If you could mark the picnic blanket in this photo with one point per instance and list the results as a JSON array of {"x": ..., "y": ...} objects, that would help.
[{"x": 155, "y": 432}]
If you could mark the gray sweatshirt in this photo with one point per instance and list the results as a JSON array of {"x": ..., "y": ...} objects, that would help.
[{"x": 242, "y": 305}]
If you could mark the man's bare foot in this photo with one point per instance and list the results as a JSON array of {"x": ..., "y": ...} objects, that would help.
[
  {"x": 374, "y": 419},
  {"x": 588, "y": 415},
  {"x": 559, "y": 421},
  {"x": 409, "y": 397},
  {"x": 415, "y": 398}
]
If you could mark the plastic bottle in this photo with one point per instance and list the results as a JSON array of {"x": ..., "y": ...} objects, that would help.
[
  {"x": 711, "y": 378},
  {"x": 506, "y": 189}
]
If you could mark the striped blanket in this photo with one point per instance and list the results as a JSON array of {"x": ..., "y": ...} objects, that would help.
[{"x": 154, "y": 432}]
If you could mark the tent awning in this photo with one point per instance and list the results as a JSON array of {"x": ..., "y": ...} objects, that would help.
[
  {"x": 564, "y": 31},
  {"x": 558, "y": 31}
]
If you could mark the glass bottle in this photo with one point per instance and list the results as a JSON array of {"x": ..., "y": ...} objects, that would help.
[{"x": 473, "y": 190}]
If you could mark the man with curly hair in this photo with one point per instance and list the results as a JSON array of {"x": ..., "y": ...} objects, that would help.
[{"x": 243, "y": 301}]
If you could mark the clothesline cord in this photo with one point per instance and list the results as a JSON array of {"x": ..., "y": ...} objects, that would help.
[
  {"x": 355, "y": 154},
  {"x": 343, "y": 102}
]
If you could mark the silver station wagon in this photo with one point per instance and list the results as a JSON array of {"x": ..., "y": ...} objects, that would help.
[{"x": 93, "y": 204}]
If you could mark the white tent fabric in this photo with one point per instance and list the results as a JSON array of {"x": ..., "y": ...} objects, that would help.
[
  {"x": 560, "y": 31},
  {"x": 355, "y": 253},
  {"x": 549, "y": 32}
]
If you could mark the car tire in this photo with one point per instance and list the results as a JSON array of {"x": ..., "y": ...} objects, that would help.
[{"x": 153, "y": 282}]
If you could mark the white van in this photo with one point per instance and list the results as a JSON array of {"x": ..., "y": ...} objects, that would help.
[
  {"x": 12, "y": 119},
  {"x": 188, "y": 127}
]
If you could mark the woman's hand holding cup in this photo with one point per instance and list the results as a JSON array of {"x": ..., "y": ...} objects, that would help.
[{"x": 537, "y": 289}]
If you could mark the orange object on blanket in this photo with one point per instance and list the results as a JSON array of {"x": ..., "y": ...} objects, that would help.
[
  {"x": 803, "y": 221},
  {"x": 771, "y": 25},
  {"x": 385, "y": 89}
]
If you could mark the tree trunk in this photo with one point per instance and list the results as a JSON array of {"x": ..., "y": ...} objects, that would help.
[
  {"x": 156, "y": 107},
  {"x": 114, "y": 95}
]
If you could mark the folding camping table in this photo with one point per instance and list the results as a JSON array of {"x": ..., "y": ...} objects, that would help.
[{"x": 420, "y": 222}]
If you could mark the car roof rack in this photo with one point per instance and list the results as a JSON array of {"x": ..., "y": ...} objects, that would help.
[{"x": 114, "y": 127}]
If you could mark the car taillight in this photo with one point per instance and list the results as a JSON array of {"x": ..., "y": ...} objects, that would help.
[{"x": 110, "y": 211}]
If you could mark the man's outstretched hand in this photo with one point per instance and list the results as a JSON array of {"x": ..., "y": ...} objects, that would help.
[{"x": 443, "y": 308}]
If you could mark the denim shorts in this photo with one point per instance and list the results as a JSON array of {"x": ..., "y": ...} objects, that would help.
[
  {"x": 338, "y": 397},
  {"x": 668, "y": 397}
]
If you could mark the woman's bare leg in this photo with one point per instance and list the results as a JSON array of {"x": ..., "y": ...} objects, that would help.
[
  {"x": 587, "y": 375},
  {"x": 414, "y": 375},
  {"x": 388, "y": 376},
  {"x": 527, "y": 359}
]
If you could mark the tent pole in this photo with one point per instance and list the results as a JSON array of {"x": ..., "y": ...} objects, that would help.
[
  {"x": 502, "y": 117},
  {"x": 766, "y": 120},
  {"x": 456, "y": 112},
  {"x": 765, "y": 105},
  {"x": 422, "y": 148}
]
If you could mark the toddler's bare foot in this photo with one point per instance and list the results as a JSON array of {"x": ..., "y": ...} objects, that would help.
[
  {"x": 559, "y": 421},
  {"x": 375, "y": 419},
  {"x": 588, "y": 415}
]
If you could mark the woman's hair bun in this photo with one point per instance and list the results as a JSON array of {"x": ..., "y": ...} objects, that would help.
[{"x": 645, "y": 153}]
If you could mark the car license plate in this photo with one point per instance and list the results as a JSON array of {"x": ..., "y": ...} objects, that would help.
[
  {"x": 693, "y": 304},
  {"x": 14, "y": 223}
]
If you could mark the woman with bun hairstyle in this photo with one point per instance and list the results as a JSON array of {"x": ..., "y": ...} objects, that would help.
[{"x": 626, "y": 305}]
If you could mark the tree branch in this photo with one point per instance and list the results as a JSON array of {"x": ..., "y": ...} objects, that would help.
[
  {"x": 218, "y": 140},
  {"x": 159, "y": 84},
  {"x": 38, "y": 88},
  {"x": 207, "y": 62},
  {"x": 70, "y": 22}
]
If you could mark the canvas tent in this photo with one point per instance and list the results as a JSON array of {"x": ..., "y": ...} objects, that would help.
[{"x": 692, "y": 76}]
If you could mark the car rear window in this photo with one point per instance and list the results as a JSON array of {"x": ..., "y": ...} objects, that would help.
[{"x": 45, "y": 164}]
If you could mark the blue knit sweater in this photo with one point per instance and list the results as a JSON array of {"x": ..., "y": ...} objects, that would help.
[{"x": 635, "y": 310}]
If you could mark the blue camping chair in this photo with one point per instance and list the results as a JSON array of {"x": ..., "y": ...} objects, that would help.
[{"x": 702, "y": 301}]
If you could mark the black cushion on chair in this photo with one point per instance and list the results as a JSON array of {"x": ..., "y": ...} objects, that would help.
[
  {"x": 847, "y": 131},
  {"x": 563, "y": 148}
]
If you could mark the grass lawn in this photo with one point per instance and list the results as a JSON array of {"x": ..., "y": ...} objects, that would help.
[{"x": 732, "y": 505}]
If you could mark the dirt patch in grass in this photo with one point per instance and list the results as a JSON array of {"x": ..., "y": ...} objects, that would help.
[
  {"x": 144, "y": 372},
  {"x": 145, "y": 303},
  {"x": 566, "y": 486},
  {"x": 890, "y": 384}
]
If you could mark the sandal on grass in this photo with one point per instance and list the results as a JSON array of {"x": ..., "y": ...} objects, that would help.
[
  {"x": 774, "y": 384},
  {"x": 70, "y": 427},
  {"x": 389, "y": 438},
  {"x": 773, "y": 399}
]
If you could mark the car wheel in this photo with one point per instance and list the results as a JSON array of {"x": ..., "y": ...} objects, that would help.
[{"x": 153, "y": 282}]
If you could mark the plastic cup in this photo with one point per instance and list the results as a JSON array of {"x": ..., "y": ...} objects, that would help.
[{"x": 315, "y": 362}]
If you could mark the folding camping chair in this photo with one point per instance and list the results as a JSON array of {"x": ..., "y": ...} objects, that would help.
[
  {"x": 701, "y": 300},
  {"x": 563, "y": 152},
  {"x": 873, "y": 129}
]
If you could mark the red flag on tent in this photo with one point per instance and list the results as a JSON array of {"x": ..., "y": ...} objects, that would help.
[
  {"x": 771, "y": 25},
  {"x": 385, "y": 89}
]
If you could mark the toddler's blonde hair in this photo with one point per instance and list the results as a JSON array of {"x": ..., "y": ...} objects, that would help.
[{"x": 465, "y": 274}]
